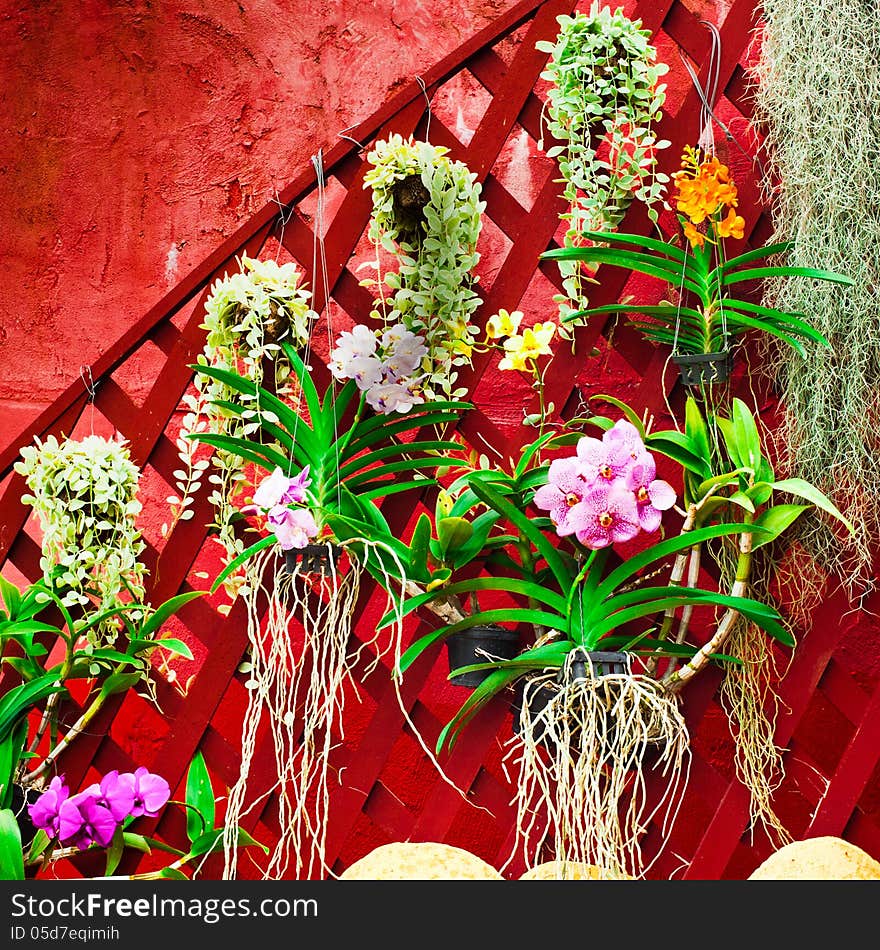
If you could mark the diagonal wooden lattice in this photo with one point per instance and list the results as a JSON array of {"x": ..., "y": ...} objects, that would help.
[{"x": 826, "y": 793}]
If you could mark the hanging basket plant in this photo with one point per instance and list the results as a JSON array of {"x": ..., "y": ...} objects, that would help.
[
  {"x": 604, "y": 100},
  {"x": 427, "y": 214},
  {"x": 84, "y": 494},
  {"x": 327, "y": 462},
  {"x": 249, "y": 315}
]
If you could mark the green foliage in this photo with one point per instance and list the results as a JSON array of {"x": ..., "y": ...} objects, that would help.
[
  {"x": 603, "y": 102},
  {"x": 427, "y": 213},
  {"x": 716, "y": 319}
]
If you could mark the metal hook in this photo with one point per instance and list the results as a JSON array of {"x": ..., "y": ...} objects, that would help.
[
  {"x": 424, "y": 89},
  {"x": 90, "y": 384}
]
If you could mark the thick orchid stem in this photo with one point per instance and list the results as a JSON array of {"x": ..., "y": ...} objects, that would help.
[{"x": 676, "y": 679}]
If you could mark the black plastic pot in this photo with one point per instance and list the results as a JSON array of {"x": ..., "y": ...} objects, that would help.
[
  {"x": 602, "y": 662},
  {"x": 478, "y": 645},
  {"x": 312, "y": 559},
  {"x": 698, "y": 368}
]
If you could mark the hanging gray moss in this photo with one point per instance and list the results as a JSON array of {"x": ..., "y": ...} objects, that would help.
[{"x": 817, "y": 93}]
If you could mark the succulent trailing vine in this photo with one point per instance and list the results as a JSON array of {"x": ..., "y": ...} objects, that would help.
[
  {"x": 248, "y": 316},
  {"x": 427, "y": 212},
  {"x": 84, "y": 494},
  {"x": 602, "y": 104}
]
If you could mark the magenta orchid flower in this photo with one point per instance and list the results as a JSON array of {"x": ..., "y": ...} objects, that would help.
[
  {"x": 84, "y": 820},
  {"x": 293, "y": 527},
  {"x": 606, "y": 515},
  {"x": 653, "y": 496},
  {"x": 612, "y": 456},
  {"x": 150, "y": 793},
  {"x": 117, "y": 793},
  {"x": 565, "y": 488},
  {"x": 44, "y": 811}
]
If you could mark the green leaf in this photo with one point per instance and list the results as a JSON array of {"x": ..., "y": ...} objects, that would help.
[
  {"x": 11, "y": 597},
  {"x": 775, "y": 520},
  {"x": 173, "y": 874},
  {"x": 803, "y": 489},
  {"x": 172, "y": 644},
  {"x": 119, "y": 683},
  {"x": 171, "y": 606},
  {"x": 494, "y": 683},
  {"x": 452, "y": 534},
  {"x": 236, "y": 562},
  {"x": 138, "y": 842},
  {"x": 200, "y": 797},
  {"x": 629, "y": 413},
  {"x": 11, "y": 856},
  {"x": 114, "y": 851}
]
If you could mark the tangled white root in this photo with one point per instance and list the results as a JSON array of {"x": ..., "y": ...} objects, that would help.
[
  {"x": 582, "y": 762},
  {"x": 298, "y": 690}
]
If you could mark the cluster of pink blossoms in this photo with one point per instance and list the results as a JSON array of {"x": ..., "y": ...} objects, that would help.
[
  {"x": 293, "y": 527},
  {"x": 382, "y": 365},
  {"x": 608, "y": 492},
  {"x": 93, "y": 815}
]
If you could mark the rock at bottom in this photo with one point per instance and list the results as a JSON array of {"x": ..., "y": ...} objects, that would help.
[{"x": 419, "y": 861}]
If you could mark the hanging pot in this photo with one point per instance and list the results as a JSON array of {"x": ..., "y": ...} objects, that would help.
[
  {"x": 312, "y": 559},
  {"x": 479, "y": 645},
  {"x": 698, "y": 368},
  {"x": 602, "y": 663}
]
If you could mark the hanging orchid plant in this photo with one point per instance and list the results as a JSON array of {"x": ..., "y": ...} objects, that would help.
[
  {"x": 427, "y": 213},
  {"x": 603, "y": 103},
  {"x": 248, "y": 316}
]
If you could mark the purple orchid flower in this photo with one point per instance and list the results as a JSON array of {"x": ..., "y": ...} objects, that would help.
[
  {"x": 150, "y": 793},
  {"x": 565, "y": 488},
  {"x": 653, "y": 496},
  {"x": 293, "y": 527},
  {"x": 608, "y": 514},
  {"x": 44, "y": 811},
  {"x": 280, "y": 489},
  {"x": 84, "y": 820},
  {"x": 117, "y": 794},
  {"x": 611, "y": 457}
]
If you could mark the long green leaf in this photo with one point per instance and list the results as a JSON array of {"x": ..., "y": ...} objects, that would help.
[
  {"x": 170, "y": 607},
  {"x": 803, "y": 489},
  {"x": 759, "y": 273},
  {"x": 527, "y": 527},
  {"x": 235, "y": 563},
  {"x": 200, "y": 815},
  {"x": 11, "y": 856}
]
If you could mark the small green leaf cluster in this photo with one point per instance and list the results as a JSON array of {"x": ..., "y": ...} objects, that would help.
[
  {"x": 427, "y": 212},
  {"x": 84, "y": 493}
]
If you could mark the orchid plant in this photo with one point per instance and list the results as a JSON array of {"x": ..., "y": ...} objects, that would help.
[
  {"x": 324, "y": 466},
  {"x": 703, "y": 318},
  {"x": 569, "y": 549},
  {"x": 99, "y": 818}
]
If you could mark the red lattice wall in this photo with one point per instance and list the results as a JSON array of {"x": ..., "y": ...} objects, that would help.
[{"x": 485, "y": 106}]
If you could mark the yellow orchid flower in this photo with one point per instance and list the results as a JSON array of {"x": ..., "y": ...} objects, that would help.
[
  {"x": 534, "y": 342},
  {"x": 503, "y": 324}
]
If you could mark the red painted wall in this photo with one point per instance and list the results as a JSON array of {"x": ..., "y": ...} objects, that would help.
[{"x": 137, "y": 135}]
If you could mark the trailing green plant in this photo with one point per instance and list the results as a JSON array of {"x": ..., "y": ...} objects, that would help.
[
  {"x": 604, "y": 100},
  {"x": 816, "y": 107},
  {"x": 84, "y": 494},
  {"x": 248, "y": 315},
  {"x": 705, "y": 318},
  {"x": 427, "y": 213}
]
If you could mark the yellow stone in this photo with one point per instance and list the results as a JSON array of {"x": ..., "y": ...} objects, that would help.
[
  {"x": 419, "y": 861},
  {"x": 818, "y": 859},
  {"x": 570, "y": 871}
]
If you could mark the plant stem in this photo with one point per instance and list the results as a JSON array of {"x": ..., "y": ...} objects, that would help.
[{"x": 675, "y": 680}]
